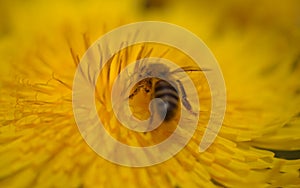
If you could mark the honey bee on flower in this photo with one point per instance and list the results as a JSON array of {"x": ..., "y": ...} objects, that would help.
[{"x": 255, "y": 42}]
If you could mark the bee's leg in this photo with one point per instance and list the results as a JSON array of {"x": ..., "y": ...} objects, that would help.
[
  {"x": 148, "y": 85},
  {"x": 185, "y": 102},
  {"x": 145, "y": 84}
]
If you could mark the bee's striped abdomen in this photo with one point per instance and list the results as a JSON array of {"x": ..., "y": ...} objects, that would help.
[{"x": 165, "y": 91}]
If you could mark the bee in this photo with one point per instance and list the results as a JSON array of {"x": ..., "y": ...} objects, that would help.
[{"x": 170, "y": 93}]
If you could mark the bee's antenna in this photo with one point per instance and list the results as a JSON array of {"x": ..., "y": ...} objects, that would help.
[{"x": 190, "y": 69}]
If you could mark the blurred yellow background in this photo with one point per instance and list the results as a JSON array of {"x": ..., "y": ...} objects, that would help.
[{"x": 257, "y": 44}]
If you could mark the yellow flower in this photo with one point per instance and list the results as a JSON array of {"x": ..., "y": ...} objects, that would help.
[{"x": 255, "y": 42}]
